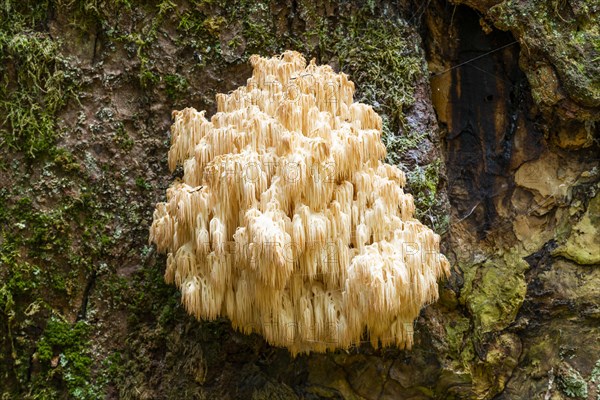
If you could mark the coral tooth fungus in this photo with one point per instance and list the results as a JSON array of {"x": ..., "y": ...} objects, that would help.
[{"x": 287, "y": 221}]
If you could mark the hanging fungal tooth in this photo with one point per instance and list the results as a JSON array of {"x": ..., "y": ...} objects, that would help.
[
  {"x": 189, "y": 128},
  {"x": 287, "y": 221}
]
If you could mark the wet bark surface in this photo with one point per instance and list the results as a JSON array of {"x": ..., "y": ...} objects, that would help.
[{"x": 486, "y": 101}]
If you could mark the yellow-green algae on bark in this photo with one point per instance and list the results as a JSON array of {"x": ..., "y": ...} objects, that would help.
[
  {"x": 494, "y": 291},
  {"x": 583, "y": 244}
]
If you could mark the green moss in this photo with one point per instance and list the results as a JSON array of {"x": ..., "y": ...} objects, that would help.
[
  {"x": 64, "y": 353},
  {"x": 141, "y": 183},
  {"x": 176, "y": 85},
  {"x": 384, "y": 67},
  {"x": 65, "y": 160},
  {"x": 213, "y": 24},
  {"x": 259, "y": 30},
  {"x": 423, "y": 184},
  {"x": 202, "y": 27},
  {"x": 397, "y": 145},
  {"x": 19, "y": 280},
  {"x": 199, "y": 31},
  {"x": 146, "y": 76},
  {"x": 36, "y": 81},
  {"x": 114, "y": 369}
]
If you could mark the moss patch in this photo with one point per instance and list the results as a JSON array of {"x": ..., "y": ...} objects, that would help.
[
  {"x": 385, "y": 66},
  {"x": 176, "y": 85},
  {"x": 36, "y": 80},
  {"x": 64, "y": 354}
]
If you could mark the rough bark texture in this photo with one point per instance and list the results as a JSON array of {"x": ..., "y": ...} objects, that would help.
[{"x": 502, "y": 154}]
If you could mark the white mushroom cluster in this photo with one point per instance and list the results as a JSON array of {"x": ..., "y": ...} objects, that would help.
[{"x": 287, "y": 221}]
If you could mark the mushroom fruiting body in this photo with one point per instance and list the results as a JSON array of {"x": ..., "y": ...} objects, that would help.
[{"x": 287, "y": 221}]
